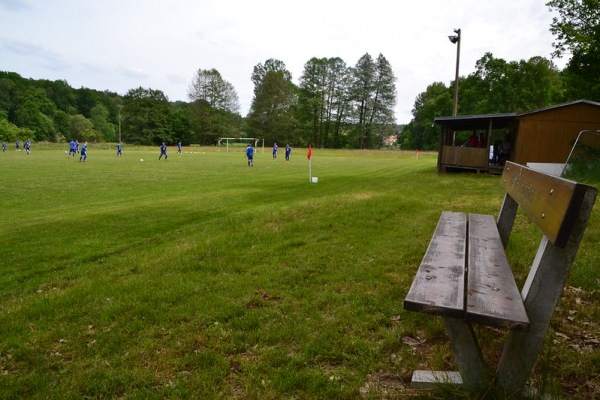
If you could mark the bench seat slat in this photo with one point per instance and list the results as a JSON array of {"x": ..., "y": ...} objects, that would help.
[
  {"x": 493, "y": 297},
  {"x": 438, "y": 287}
]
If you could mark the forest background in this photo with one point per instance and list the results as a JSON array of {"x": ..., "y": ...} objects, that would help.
[{"x": 333, "y": 105}]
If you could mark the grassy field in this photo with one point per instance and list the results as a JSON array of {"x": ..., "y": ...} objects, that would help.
[{"x": 200, "y": 277}]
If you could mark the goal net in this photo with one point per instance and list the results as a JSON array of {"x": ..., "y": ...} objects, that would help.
[{"x": 236, "y": 142}]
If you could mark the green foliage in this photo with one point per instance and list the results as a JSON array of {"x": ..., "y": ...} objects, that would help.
[
  {"x": 498, "y": 86},
  {"x": 46, "y": 108},
  {"x": 99, "y": 117},
  {"x": 420, "y": 133},
  {"x": 11, "y": 133},
  {"x": 146, "y": 117},
  {"x": 209, "y": 86},
  {"x": 272, "y": 113},
  {"x": 577, "y": 31},
  {"x": 213, "y": 112},
  {"x": 340, "y": 106},
  {"x": 324, "y": 102}
]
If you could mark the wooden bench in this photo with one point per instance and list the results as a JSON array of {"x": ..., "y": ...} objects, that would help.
[{"x": 465, "y": 277}]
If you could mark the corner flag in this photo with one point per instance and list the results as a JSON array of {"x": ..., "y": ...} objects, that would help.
[{"x": 308, "y": 155}]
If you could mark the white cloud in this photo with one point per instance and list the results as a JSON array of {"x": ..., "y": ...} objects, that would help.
[{"x": 118, "y": 45}]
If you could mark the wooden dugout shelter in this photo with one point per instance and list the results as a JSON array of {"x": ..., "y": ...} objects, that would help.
[{"x": 541, "y": 136}]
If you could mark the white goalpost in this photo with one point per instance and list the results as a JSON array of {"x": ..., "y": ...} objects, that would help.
[{"x": 236, "y": 139}]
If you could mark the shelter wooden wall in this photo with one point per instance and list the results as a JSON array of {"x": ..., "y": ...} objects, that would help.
[{"x": 548, "y": 135}]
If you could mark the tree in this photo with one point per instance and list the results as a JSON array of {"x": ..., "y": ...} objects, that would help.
[
  {"x": 180, "y": 122},
  {"x": 577, "y": 31},
  {"x": 82, "y": 129},
  {"x": 260, "y": 70},
  {"x": 215, "y": 107},
  {"x": 62, "y": 95},
  {"x": 99, "y": 118},
  {"x": 9, "y": 132},
  {"x": 498, "y": 86},
  {"x": 146, "y": 117},
  {"x": 436, "y": 101},
  {"x": 382, "y": 113},
  {"x": 323, "y": 100},
  {"x": 209, "y": 85},
  {"x": 374, "y": 96},
  {"x": 272, "y": 112},
  {"x": 576, "y": 25},
  {"x": 86, "y": 100},
  {"x": 33, "y": 110}
]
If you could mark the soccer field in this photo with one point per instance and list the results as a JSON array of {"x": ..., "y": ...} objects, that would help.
[{"x": 201, "y": 277}]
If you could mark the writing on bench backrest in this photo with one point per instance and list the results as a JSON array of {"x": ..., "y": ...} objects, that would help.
[{"x": 551, "y": 202}]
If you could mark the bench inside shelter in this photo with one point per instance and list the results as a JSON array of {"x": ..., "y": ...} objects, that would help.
[{"x": 466, "y": 279}]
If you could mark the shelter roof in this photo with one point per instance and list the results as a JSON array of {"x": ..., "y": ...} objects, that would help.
[
  {"x": 476, "y": 122},
  {"x": 589, "y": 102}
]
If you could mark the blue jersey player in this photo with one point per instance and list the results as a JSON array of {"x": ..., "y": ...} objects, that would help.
[
  {"x": 83, "y": 152},
  {"x": 288, "y": 151},
  {"x": 275, "y": 149},
  {"x": 72, "y": 148},
  {"x": 163, "y": 151},
  {"x": 119, "y": 150},
  {"x": 250, "y": 155}
]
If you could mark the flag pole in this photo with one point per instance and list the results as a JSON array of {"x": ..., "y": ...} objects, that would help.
[{"x": 309, "y": 156}]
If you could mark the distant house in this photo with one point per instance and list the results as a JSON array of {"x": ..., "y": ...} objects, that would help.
[
  {"x": 390, "y": 140},
  {"x": 541, "y": 136}
]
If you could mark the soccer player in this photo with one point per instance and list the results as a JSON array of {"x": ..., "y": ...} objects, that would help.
[
  {"x": 275, "y": 148},
  {"x": 17, "y": 146},
  {"x": 83, "y": 155},
  {"x": 72, "y": 148},
  {"x": 119, "y": 150},
  {"x": 179, "y": 147},
  {"x": 3, "y": 147},
  {"x": 77, "y": 146},
  {"x": 250, "y": 155},
  {"x": 163, "y": 151},
  {"x": 27, "y": 146},
  {"x": 288, "y": 150}
]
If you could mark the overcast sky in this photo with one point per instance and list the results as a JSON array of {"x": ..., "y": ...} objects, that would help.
[{"x": 118, "y": 45}]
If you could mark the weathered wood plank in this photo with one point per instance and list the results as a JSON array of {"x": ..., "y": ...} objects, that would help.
[
  {"x": 438, "y": 287},
  {"x": 493, "y": 297},
  {"x": 430, "y": 379},
  {"x": 551, "y": 202},
  {"x": 467, "y": 353}
]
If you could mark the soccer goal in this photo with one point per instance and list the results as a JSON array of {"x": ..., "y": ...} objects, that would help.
[{"x": 236, "y": 140}]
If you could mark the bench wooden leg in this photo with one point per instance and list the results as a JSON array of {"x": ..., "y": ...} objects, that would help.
[
  {"x": 541, "y": 293},
  {"x": 467, "y": 353}
]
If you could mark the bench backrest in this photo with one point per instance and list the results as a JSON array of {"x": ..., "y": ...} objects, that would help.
[
  {"x": 551, "y": 202},
  {"x": 561, "y": 209}
]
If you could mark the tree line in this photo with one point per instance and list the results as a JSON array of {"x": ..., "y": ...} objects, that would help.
[{"x": 333, "y": 105}]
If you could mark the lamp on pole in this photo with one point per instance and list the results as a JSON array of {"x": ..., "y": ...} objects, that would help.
[
  {"x": 455, "y": 39},
  {"x": 120, "y": 106}
]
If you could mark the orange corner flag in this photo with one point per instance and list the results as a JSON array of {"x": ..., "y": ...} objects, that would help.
[{"x": 309, "y": 154}]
